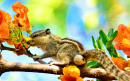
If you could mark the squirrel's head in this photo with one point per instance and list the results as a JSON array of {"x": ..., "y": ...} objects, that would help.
[{"x": 39, "y": 37}]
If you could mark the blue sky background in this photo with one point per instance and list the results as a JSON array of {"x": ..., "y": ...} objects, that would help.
[{"x": 76, "y": 19}]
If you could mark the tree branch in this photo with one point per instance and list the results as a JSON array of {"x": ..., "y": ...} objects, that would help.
[
  {"x": 28, "y": 53},
  {"x": 6, "y": 66}
]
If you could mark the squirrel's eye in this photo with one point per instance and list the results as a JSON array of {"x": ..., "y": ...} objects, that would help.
[
  {"x": 83, "y": 59},
  {"x": 35, "y": 35}
]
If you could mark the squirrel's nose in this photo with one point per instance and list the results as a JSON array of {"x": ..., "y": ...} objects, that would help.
[
  {"x": 31, "y": 42},
  {"x": 28, "y": 42}
]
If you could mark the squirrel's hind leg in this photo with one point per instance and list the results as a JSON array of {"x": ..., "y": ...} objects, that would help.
[{"x": 65, "y": 61}]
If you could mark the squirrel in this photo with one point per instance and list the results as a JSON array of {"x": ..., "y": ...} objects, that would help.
[
  {"x": 63, "y": 50},
  {"x": 69, "y": 51}
]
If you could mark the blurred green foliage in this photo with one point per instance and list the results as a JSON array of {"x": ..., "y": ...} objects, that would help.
[
  {"x": 48, "y": 13},
  {"x": 96, "y": 14},
  {"x": 1, "y": 1}
]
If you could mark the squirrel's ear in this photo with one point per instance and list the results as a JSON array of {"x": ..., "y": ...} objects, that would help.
[{"x": 48, "y": 31}]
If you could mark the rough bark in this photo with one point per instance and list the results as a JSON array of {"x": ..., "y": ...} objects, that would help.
[{"x": 6, "y": 66}]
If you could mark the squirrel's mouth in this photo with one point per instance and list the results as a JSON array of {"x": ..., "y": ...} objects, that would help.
[{"x": 31, "y": 43}]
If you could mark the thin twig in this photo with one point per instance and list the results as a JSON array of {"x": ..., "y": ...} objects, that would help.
[{"x": 28, "y": 53}]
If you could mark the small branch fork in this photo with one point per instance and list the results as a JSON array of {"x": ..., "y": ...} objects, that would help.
[
  {"x": 6, "y": 66},
  {"x": 28, "y": 53}
]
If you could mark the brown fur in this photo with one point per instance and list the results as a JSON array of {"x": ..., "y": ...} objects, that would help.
[
  {"x": 79, "y": 44},
  {"x": 52, "y": 47}
]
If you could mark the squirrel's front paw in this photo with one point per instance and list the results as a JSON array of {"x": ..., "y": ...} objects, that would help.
[
  {"x": 36, "y": 57},
  {"x": 51, "y": 63}
]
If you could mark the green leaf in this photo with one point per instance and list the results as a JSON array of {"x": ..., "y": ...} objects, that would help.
[
  {"x": 98, "y": 43},
  {"x": 100, "y": 46},
  {"x": 94, "y": 44},
  {"x": 118, "y": 55},
  {"x": 111, "y": 30},
  {"x": 90, "y": 63},
  {"x": 113, "y": 35},
  {"x": 96, "y": 65},
  {"x": 113, "y": 53},
  {"x": 110, "y": 47},
  {"x": 97, "y": 80},
  {"x": 93, "y": 40},
  {"x": 108, "y": 44},
  {"x": 59, "y": 78},
  {"x": 104, "y": 37}
]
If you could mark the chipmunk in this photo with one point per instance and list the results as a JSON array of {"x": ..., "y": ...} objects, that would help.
[
  {"x": 69, "y": 51},
  {"x": 59, "y": 49}
]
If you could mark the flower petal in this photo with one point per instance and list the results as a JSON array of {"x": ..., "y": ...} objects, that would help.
[
  {"x": 21, "y": 18},
  {"x": 71, "y": 73},
  {"x": 122, "y": 40},
  {"x": 126, "y": 43},
  {"x": 119, "y": 62},
  {"x": 4, "y": 24}
]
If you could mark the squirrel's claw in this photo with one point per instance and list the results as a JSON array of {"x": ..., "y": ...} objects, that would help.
[
  {"x": 51, "y": 63},
  {"x": 36, "y": 57}
]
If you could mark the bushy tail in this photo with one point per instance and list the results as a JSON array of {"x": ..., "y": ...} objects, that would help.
[{"x": 106, "y": 61}]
